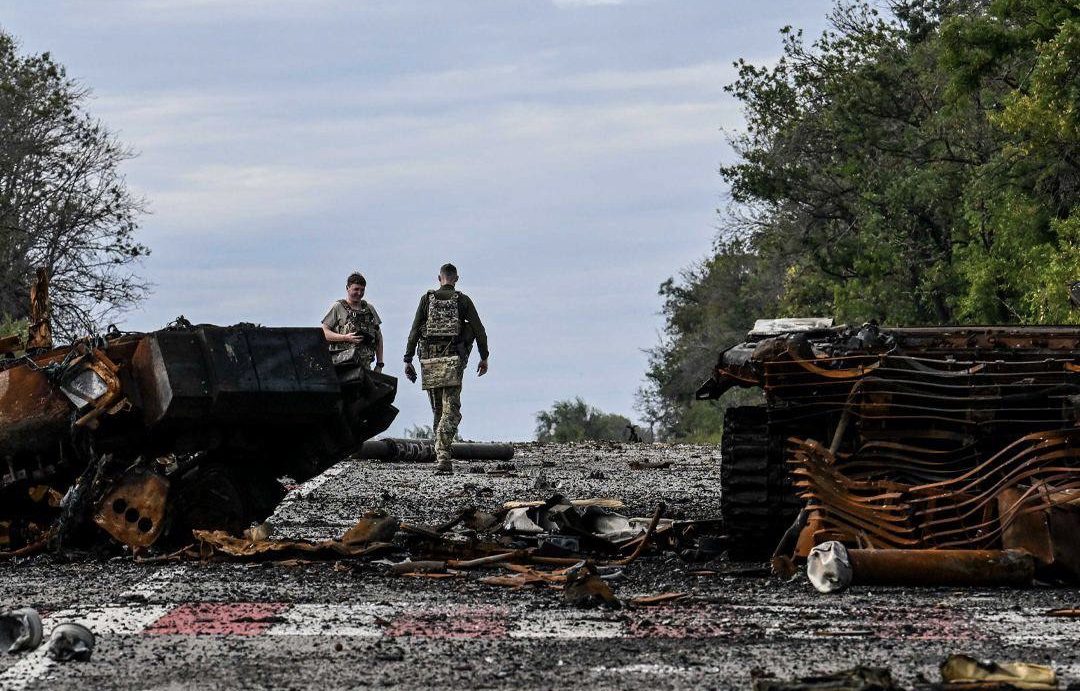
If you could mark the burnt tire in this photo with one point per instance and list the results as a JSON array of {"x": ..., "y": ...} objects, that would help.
[{"x": 757, "y": 501}]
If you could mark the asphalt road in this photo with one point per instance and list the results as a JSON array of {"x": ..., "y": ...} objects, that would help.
[{"x": 317, "y": 625}]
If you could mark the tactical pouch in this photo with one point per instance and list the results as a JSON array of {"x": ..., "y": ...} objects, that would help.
[
  {"x": 341, "y": 357},
  {"x": 440, "y": 372}
]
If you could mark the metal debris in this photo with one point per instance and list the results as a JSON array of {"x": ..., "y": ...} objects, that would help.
[
  {"x": 585, "y": 588},
  {"x": 423, "y": 450},
  {"x": 70, "y": 642},
  {"x": 831, "y": 567},
  {"x": 964, "y": 669},
  {"x": 938, "y": 438},
  {"x": 20, "y": 630}
]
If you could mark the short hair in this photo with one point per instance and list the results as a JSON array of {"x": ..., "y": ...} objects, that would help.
[
  {"x": 448, "y": 270},
  {"x": 356, "y": 277}
]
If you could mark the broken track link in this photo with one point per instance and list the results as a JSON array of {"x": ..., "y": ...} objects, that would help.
[{"x": 758, "y": 502}]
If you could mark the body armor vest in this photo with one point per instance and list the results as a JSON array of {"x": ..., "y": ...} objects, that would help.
[
  {"x": 360, "y": 321},
  {"x": 443, "y": 317}
]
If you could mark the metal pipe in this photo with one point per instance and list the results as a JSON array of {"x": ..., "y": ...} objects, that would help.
[
  {"x": 943, "y": 567},
  {"x": 832, "y": 567},
  {"x": 423, "y": 450}
]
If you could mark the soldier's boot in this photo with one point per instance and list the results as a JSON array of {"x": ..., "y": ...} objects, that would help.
[{"x": 444, "y": 467}]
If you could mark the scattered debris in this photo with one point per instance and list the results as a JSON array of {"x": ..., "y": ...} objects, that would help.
[
  {"x": 964, "y": 669},
  {"x": 70, "y": 642},
  {"x": 585, "y": 588},
  {"x": 218, "y": 542},
  {"x": 20, "y": 630}
]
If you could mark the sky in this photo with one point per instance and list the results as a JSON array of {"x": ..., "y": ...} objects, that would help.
[{"x": 562, "y": 153}]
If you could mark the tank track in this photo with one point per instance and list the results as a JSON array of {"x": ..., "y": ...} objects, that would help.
[{"x": 757, "y": 501}]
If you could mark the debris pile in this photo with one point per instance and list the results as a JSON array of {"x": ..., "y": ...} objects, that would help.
[
  {"x": 579, "y": 547},
  {"x": 930, "y": 438}
]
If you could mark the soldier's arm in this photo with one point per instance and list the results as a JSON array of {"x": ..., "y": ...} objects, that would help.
[
  {"x": 414, "y": 332},
  {"x": 473, "y": 318},
  {"x": 331, "y": 336}
]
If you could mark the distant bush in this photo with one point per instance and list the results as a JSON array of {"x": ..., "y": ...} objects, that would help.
[{"x": 575, "y": 420}]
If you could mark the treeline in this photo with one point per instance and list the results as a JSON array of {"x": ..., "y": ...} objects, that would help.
[{"x": 917, "y": 163}]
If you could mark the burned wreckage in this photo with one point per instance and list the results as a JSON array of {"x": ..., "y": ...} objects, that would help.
[
  {"x": 904, "y": 444},
  {"x": 150, "y": 435}
]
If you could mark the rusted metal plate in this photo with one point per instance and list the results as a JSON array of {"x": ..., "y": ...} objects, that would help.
[{"x": 133, "y": 512}]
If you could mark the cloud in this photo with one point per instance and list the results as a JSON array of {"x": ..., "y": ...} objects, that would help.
[{"x": 235, "y": 157}]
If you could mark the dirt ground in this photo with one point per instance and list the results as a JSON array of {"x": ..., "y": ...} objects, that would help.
[{"x": 251, "y": 626}]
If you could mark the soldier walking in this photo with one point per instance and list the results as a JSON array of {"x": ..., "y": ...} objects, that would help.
[
  {"x": 445, "y": 326},
  {"x": 351, "y": 327}
]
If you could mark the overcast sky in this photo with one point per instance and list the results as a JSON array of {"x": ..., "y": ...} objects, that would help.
[{"x": 562, "y": 153}]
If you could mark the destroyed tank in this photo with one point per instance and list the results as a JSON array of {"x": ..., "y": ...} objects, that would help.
[
  {"x": 150, "y": 435},
  {"x": 895, "y": 437}
]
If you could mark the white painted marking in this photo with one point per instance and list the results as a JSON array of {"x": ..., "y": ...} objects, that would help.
[
  {"x": 156, "y": 585},
  {"x": 564, "y": 625},
  {"x": 26, "y": 671},
  {"x": 333, "y": 620},
  {"x": 121, "y": 619},
  {"x": 308, "y": 488}
]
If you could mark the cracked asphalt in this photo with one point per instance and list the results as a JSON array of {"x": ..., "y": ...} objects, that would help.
[{"x": 321, "y": 625}]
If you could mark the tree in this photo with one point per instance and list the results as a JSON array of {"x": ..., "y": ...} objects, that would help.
[
  {"x": 712, "y": 306},
  {"x": 64, "y": 204},
  {"x": 574, "y": 420},
  {"x": 915, "y": 165}
]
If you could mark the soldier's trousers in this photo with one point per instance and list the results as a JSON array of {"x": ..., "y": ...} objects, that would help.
[{"x": 446, "y": 406}]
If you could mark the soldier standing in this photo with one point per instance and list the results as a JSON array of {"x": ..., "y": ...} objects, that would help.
[
  {"x": 351, "y": 327},
  {"x": 445, "y": 326}
]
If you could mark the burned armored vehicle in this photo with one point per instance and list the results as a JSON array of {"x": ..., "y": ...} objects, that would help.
[
  {"x": 903, "y": 438},
  {"x": 148, "y": 435}
]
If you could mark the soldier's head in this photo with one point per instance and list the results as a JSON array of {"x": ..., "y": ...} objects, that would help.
[
  {"x": 447, "y": 274},
  {"x": 355, "y": 285}
]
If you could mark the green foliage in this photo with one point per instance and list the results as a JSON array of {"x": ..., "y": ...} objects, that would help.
[
  {"x": 12, "y": 327},
  {"x": 917, "y": 166},
  {"x": 63, "y": 203},
  {"x": 574, "y": 420},
  {"x": 419, "y": 432}
]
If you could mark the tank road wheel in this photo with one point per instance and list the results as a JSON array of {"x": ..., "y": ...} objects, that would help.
[{"x": 757, "y": 501}]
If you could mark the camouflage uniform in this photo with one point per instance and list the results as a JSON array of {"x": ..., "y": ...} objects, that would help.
[
  {"x": 344, "y": 319},
  {"x": 446, "y": 323}
]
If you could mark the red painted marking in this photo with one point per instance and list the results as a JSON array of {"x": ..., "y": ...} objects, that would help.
[
  {"x": 452, "y": 622},
  {"x": 679, "y": 622},
  {"x": 210, "y": 618}
]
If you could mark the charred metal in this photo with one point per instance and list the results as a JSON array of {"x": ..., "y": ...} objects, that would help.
[
  {"x": 147, "y": 435},
  {"x": 930, "y": 438}
]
